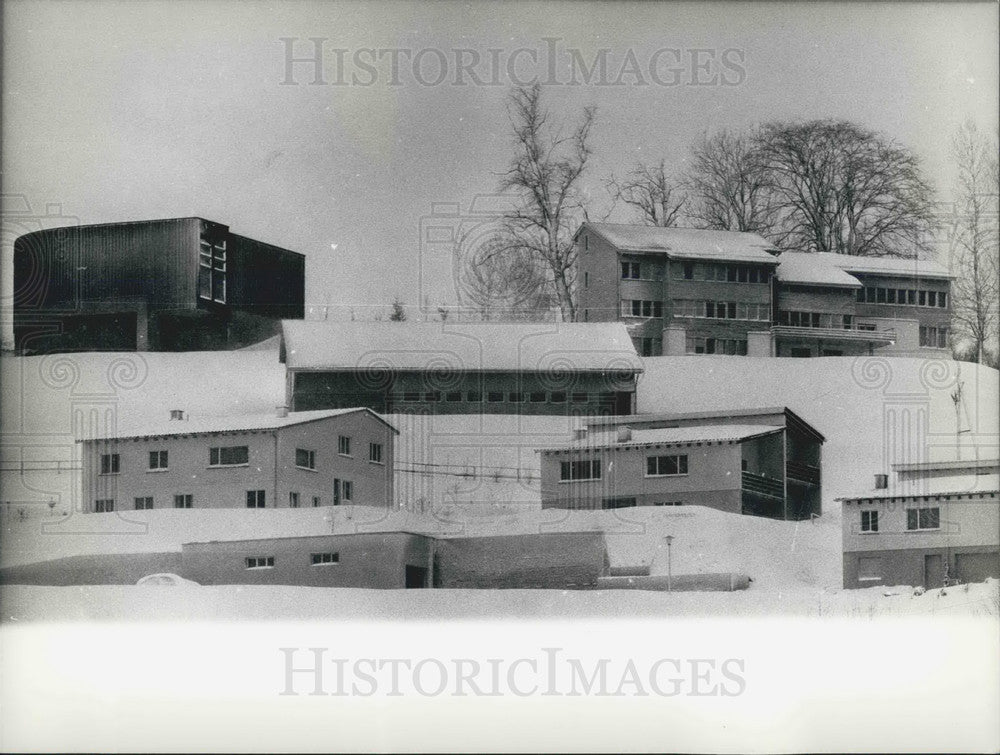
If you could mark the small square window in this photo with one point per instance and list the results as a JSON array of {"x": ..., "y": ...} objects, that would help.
[
  {"x": 104, "y": 505},
  {"x": 305, "y": 458},
  {"x": 375, "y": 452},
  {"x": 110, "y": 464},
  {"x": 256, "y": 499},
  {"x": 183, "y": 501},
  {"x": 158, "y": 460},
  {"x": 293, "y": 500},
  {"x": 144, "y": 503}
]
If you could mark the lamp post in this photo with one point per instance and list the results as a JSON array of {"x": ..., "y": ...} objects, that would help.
[{"x": 670, "y": 576}]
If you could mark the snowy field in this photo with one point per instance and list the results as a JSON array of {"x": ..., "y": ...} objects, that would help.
[{"x": 479, "y": 475}]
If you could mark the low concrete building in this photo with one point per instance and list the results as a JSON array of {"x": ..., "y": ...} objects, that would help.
[
  {"x": 318, "y": 458},
  {"x": 460, "y": 368},
  {"x": 764, "y": 462},
  {"x": 936, "y": 524}
]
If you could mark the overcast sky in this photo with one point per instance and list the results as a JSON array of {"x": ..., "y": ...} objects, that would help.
[{"x": 131, "y": 110}]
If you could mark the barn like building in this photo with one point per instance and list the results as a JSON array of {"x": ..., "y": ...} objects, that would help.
[
  {"x": 460, "y": 368},
  {"x": 181, "y": 284}
]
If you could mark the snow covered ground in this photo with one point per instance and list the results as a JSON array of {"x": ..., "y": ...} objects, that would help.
[{"x": 479, "y": 475}]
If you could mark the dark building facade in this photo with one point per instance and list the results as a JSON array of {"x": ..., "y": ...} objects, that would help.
[
  {"x": 461, "y": 368},
  {"x": 159, "y": 285}
]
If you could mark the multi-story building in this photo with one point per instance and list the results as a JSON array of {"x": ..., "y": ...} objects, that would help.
[
  {"x": 836, "y": 305},
  {"x": 320, "y": 458},
  {"x": 764, "y": 462},
  {"x": 460, "y": 368},
  {"x": 160, "y": 285},
  {"x": 678, "y": 290},
  {"x": 689, "y": 291},
  {"x": 935, "y": 524}
]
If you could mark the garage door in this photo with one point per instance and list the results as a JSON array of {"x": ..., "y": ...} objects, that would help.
[{"x": 975, "y": 567}]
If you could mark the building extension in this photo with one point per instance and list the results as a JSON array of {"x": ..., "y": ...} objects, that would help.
[
  {"x": 460, "y": 368},
  {"x": 763, "y": 462},
  {"x": 181, "y": 284},
  {"x": 689, "y": 291},
  {"x": 935, "y": 523},
  {"x": 319, "y": 458}
]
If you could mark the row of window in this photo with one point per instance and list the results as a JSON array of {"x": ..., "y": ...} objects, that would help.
[
  {"x": 934, "y": 337},
  {"x": 708, "y": 271},
  {"x": 641, "y": 308},
  {"x": 817, "y": 320},
  {"x": 315, "y": 559},
  {"x": 722, "y": 310},
  {"x": 905, "y": 296},
  {"x": 916, "y": 519},
  {"x": 731, "y": 346},
  {"x": 656, "y": 466},
  {"x": 236, "y": 456},
  {"x": 649, "y": 347},
  {"x": 212, "y": 271},
  {"x": 496, "y": 397},
  {"x": 343, "y": 491},
  {"x": 641, "y": 271}
]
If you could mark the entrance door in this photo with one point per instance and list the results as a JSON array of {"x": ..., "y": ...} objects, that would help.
[
  {"x": 416, "y": 576},
  {"x": 933, "y": 571}
]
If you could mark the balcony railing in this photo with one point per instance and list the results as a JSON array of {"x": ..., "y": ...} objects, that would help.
[
  {"x": 755, "y": 483},
  {"x": 853, "y": 333},
  {"x": 802, "y": 472}
]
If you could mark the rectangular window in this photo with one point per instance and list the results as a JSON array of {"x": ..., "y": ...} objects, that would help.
[
  {"x": 411, "y": 396},
  {"x": 538, "y": 397},
  {"x": 305, "y": 459},
  {"x": 375, "y": 452},
  {"x": 880, "y": 295},
  {"x": 667, "y": 503},
  {"x": 474, "y": 397},
  {"x": 183, "y": 501},
  {"x": 432, "y": 397},
  {"x": 324, "y": 559},
  {"x": 890, "y": 296},
  {"x": 453, "y": 396},
  {"x": 494, "y": 397},
  {"x": 158, "y": 460},
  {"x": 515, "y": 397},
  {"x": 931, "y": 298},
  {"x": 664, "y": 466},
  {"x": 585, "y": 469},
  {"x": 260, "y": 562},
  {"x": 293, "y": 500},
  {"x": 942, "y": 299},
  {"x": 256, "y": 499},
  {"x": 344, "y": 445},
  {"x": 922, "y": 300},
  {"x": 348, "y": 490},
  {"x": 688, "y": 271},
  {"x": 631, "y": 270},
  {"x": 143, "y": 503},
  {"x": 558, "y": 397},
  {"x": 104, "y": 505},
  {"x": 869, "y": 521},
  {"x": 316, "y": 501},
  {"x": 212, "y": 270},
  {"x": 911, "y": 296},
  {"x": 586, "y": 280},
  {"x": 110, "y": 464},
  {"x": 869, "y": 569},
  {"x": 228, "y": 456},
  {"x": 923, "y": 519}
]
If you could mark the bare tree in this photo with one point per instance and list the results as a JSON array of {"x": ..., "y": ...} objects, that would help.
[
  {"x": 975, "y": 295},
  {"x": 545, "y": 174},
  {"x": 729, "y": 184},
  {"x": 845, "y": 189},
  {"x": 657, "y": 199},
  {"x": 501, "y": 280}
]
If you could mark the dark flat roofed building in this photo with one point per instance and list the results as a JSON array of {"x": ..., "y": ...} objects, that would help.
[
  {"x": 181, "y": 284},
  {"x": 763, "y": 462},
  {"x": 460, "y": 368}
]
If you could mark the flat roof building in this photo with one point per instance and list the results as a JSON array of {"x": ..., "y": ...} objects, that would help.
[
  {"x": 460, "y": 368},
  {"x": 179, "y": 284}
]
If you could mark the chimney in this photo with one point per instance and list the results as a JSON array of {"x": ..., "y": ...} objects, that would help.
[
  {"x": 282, "y": 411},
  {"x": 881, "y": 481},
  {"x": 624, "y": 434},
  {"x": 176, "y": 414}
]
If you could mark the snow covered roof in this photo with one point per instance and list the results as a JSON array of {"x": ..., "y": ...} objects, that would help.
[
  {"x": 668, "y": 436},
  {"x": 886, "y": 265},
  {"x": 686, "y": 243},
  {"x": 485, "y": 347},
  {"x": 228, "y": 424},
  {"x": 951, "y": 485},
  {"x": 782, "y": 414},
  {"x": 813, "y": 270},
  {"x": 939, "y": 466}
]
